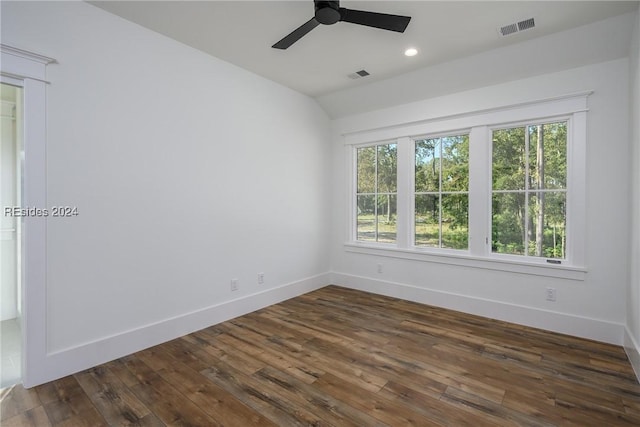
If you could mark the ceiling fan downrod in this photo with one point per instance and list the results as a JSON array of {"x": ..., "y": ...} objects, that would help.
[{"x": 327, "y": 12}]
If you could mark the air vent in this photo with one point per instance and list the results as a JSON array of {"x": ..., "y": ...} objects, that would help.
[
  {"x": 358, "y": 74},
  {"x": 517, "y": 27},
  {"x": 526, "y": 24},
  {"x": 508, "y": 29}
]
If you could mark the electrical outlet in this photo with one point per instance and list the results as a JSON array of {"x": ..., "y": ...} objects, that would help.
[
  {"x": 260, "y": 278},
  {"x": 551, "y": 294},
  {"x": 234, "y": 284},
  {"x": 379, "y": 268}
]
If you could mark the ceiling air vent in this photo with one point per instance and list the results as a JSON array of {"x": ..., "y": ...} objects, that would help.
[
  {"x": 508, "y": 29},
  {"x": 358, "y": 74},
  {"x": 516, "y": 27},
  {"x": 526, "y": 24}
]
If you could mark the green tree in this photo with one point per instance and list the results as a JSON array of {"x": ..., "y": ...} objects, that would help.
[
  {"x": 529, "y": 179},
  {"x": 455, "y": 179},
  {"x": 376, "y": 192},
  {"x": 442, "y": 185},
  {"x": 387, "y": 161}
]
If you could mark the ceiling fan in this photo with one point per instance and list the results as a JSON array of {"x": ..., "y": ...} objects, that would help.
[{"x": 330, "y": 12}]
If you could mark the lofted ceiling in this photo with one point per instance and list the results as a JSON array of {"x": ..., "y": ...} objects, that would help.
[{"x": 242, "y": 32}]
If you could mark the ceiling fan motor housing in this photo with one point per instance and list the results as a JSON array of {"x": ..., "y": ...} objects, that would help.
[
  {"x": 327, "y": 12},
  {"x": 330, "y": 12}
]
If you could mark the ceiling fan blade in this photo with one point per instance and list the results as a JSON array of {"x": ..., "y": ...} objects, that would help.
[
  {"x": 296, "y": 34},
  {"x": 373, "y": 19}
]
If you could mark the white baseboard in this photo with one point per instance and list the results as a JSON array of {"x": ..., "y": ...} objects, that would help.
[
  {"x": 595, "y": 329},
  {"x": 632, "y": 349},
  {"x": 75, "y": 359},
  {"x": 69, "y": 361}
]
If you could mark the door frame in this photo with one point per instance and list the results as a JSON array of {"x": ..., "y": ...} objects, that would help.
[{"x": 28, "y": 70}]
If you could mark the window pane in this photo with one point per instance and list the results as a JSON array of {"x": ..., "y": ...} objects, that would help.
[
  {"x": 507, "y": 228},
  {"x": 455, "y": 163},
  {"x": 548, "y": 156},
  {"x": 547, "y": 221},
  {"x": 387, "y": 218},
  {"x": 427, "y": 220},
  {"x": 442, "y": 165},
  {"x": 555, "y": 155},
  {"x": 536, "y": 168},
  {"x": 509, "y": 159},
  {"x": 366, "y": 228},
  {"x": 387, "y": 167},
  {"x": 367, "y": 170},
  {"x": 427, "y": 165},
  {"x": 455, "y": 221}
]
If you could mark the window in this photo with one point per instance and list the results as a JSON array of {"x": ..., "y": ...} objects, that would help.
[
  {"x": 376, "y": 197},
  {"x": 529, "y": 185},
  {"x": 501, "y": 189},
  {"x": 441, "y": 217}
]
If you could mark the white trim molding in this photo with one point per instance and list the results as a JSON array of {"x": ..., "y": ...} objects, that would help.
[
  {"x": 536, "y": 109},
  {"x": 21, "y": 64},
  {"x": 578, "y": 326},
  {"x": 463, "y": 259},
  {"x": 71, "y": 360},
  {"x": 632, "y": 349},
  {"x": 28, "y": 70},
  {"x": 10, "y": 50}
]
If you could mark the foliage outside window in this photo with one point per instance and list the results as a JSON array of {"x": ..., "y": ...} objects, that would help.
[
  {"x": 442, "y": 192},
  {"x": 377, "y": 193},
  {"x": 529, "y": 191}
]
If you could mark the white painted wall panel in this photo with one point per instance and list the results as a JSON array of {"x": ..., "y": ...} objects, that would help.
[
  {"x": 186, "y": 171},
  {"x": 633, "y": 294}
]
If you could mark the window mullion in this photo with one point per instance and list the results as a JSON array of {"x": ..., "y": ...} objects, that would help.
[
  {"x": 480, "y": 191},
  {"x": 439, "y": 151},
  {"x": 576, "y": 190},
  {"x": 405, "y": 191},
  {"x": 353, "y": 224},
  {"x": 526, "y": 189},
  {"x": 375, "y": 198}
]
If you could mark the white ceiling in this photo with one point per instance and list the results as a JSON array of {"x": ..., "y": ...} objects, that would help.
[{"x": 242, "y": 32}]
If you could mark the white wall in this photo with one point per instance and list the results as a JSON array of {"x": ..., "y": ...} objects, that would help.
[
  {"x": 593, "y": 308},
  {"x": 601, "y": 41},
  {"x": 186, "y": 172},
  {"x": 632, "y": 342}
]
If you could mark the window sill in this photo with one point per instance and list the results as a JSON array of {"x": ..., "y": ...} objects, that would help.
[{"x": 466, "y": 260}]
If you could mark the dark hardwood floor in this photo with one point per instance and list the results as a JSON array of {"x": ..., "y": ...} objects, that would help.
[{"x": 346, "y": 358}]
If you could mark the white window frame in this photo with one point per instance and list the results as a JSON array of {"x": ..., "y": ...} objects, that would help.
[
  {"x": 412, "y": 148},
  {"x": 479, "y": 125},
  {"x": 354, "y": 200},
  {"x": 28, "y": 70},
  {"x": 532, "y": 259}
]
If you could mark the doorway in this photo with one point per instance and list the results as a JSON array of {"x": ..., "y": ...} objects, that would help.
[{"x": 10, "y": 235}]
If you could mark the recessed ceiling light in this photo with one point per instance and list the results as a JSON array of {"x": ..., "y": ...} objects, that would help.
[{"x": 411, "y": 51}]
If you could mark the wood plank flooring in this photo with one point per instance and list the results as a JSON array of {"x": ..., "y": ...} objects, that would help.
[{"x": 346, "y": 358}]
